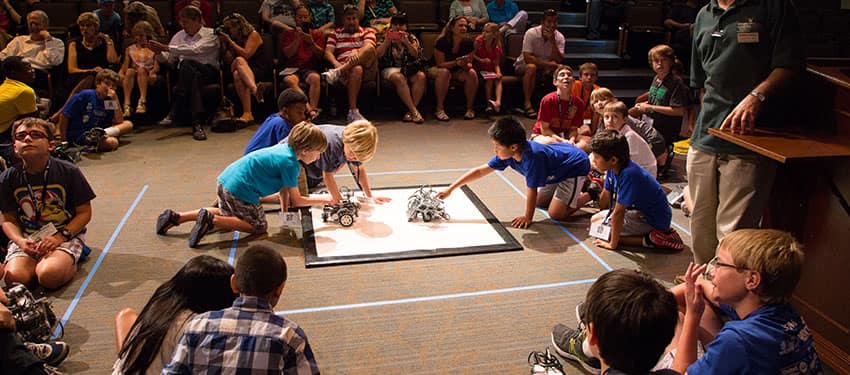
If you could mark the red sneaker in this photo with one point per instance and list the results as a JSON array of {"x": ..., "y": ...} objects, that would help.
[{"x": 669, "y": 239}]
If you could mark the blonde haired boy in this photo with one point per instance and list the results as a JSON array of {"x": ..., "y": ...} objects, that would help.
[
  {"x": 752, "y": 328},
  {"x": 615, "y": 114}
]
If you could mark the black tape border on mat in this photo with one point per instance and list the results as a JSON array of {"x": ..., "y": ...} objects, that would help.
[{"x": 312, "y": 259}]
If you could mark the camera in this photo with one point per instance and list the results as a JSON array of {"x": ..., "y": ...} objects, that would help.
[
  {"x": 305, "y": 28},
  {"x": 221, "y": 30},
  {"x": 34, "y": 319}
]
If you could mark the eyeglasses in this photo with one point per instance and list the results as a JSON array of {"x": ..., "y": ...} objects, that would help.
[
  {"x": 714, "y": 263},
  {"x": 33, "y": 134}
]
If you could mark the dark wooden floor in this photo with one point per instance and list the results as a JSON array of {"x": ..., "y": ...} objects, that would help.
[{"x": 478, "y": 314}]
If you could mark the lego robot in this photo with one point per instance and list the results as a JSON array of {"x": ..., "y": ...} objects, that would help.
[
  {"x": 343, "y": 212},
  {"x": 424, "y": 203}
]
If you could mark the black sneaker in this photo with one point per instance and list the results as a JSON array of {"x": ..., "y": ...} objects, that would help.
[
  {"x": 198, "y": 133},
  {"x": 203, "y": 225},
  {"x": 50, "y": 353},
  {"x": 545, "y": 363},
  {"x": 94, "y": 135},
  {"x": 568, "y": 344},
  {"x": 166, "y": 220}
]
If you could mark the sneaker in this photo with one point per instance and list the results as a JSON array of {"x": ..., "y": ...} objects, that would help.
[
  {"x": 203, "y": 225},
  {"x": 94, "y": 135},
  {"x": 331, "y": 76},
  {"x": 669, "y": 239},
  {"x": 568, "y": 343},
  {"x": 354, "y": 115},
  {"x": 50, "y": 353},
  {"x": 545, "y": 363},
  {"x": 581, "y": 313},
  {"x": 198, "y": 133},
  {"x": 166, "y": 220}
]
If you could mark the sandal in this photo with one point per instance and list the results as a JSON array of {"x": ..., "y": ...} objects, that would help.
[
  {"x": 469, "y": 115},
  {"x": 530, "y": 112},
  {"x": 141, "y": 108},
  {"x": 127, "y": 110},
  {"x": 417, "y": 118},
  {"x": 496, "y": 107},
  {"x": 441, "y": 115},
  {"x": 408, "y": 117}
]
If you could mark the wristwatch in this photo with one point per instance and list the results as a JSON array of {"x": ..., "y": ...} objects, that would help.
[
  {"x": 66, "y": 233},
  {"x": 758, "y": 95}
]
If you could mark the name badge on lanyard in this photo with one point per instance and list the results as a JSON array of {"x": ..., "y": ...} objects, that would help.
[
  {"x": 600, "y": 230},
  {"x": 748, "y": 31}
]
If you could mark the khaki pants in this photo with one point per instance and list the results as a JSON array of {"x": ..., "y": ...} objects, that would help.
[{"x": 729, "y": 192}]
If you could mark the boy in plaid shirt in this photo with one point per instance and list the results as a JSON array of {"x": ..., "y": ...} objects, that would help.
[{"x": 247, "y": 337}]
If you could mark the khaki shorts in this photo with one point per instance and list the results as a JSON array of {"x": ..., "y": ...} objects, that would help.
[
  {"x": 73, "y": 247},
  {"x": 567, "y": 191},
  {"x": 634, "y": 223}
]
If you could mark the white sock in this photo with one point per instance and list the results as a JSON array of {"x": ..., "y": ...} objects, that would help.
[
  {"x": 112, "y": 131},
  {"x": 585, "y": 347}
]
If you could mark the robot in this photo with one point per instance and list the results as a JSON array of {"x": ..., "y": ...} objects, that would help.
[
  {"x": 424, "y": 202},
  {"x": 343, "y": 212}
]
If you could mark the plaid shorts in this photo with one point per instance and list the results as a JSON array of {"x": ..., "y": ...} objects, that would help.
[
  {"x": 253, "y": 214},
  {"x": 73, "y": 247}
]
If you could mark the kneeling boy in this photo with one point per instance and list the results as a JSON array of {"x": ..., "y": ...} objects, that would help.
[
  {"x": 86, "y": 120},
  {"x": 557, "y": 170},
  {"x": 637, "y": 212},
  {"x": 258, "y": 174},
  {"x": 48, "y": 196}
]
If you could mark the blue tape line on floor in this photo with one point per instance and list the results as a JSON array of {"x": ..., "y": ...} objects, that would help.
[
  {"x": 558, "y": 224},
  {"x": 232, "y": 256},
  {"x": 97, "y": 263},
  {"x": 434, "y": 298},
  {"x": 681, "y": 228}
]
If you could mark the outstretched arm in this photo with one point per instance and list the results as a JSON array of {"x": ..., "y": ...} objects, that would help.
[{"x": 469, "y": 176}]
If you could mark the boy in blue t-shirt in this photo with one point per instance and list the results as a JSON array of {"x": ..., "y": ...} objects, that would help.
[
  {"x": 751, "y": 327},
  {"x": 86, "y": 120},
  {"x": 551, "y": 171},
  {"x": 637, "y": 212},
  {"x": 243, "y": 183},
  {"x": 292, "y": 106}
]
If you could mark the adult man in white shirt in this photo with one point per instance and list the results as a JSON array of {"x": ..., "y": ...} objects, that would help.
[
  {"x": 39, "y": 48},
  {"x": 195, "y": 51},
  {"x": 542, "y": 52}
]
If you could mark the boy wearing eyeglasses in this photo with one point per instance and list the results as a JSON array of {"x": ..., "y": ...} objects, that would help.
[
  {"x": 46, "y": 205},
  {"x": 751, "y": 327}
]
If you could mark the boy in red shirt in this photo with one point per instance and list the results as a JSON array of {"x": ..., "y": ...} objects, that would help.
[{"x": 560, "y": 113}]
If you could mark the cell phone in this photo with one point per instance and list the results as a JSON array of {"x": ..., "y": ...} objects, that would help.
[
  {"x": 394, "y": 35},
  {"x": 305, "y": 28}
]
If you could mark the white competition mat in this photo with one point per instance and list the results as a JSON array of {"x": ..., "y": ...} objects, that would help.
[{"x": 382, "y": 232}]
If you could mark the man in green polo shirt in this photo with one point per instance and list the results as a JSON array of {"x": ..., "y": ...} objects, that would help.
[
  {"x": 743, "y": 51},
  {"x": 16, "y": 99}
]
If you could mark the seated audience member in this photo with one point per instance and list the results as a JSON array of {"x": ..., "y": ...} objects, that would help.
[
  {"x": 398, "y": 57},
  {"x": 242, "y": 48},
  {"x": 613, "y": 12},
  {"x": 16, "y": 100},
  {"x": 87, "y": 55},
  {"x": 323, "y": 17},
  {"x": 38, "y": 48},
  {"x": 453, "y": 62},
  {"x": 303, "y": 49},
  {"x": 9, "y": 19},
  {"x": 627, "y": 320},
  {"x": 680, "y": 21},
  {"x": 205, "y": 6},
  {"x": 43, "y": 193},
  {"x": 20, "y": 358},
  {"x": 487, "y": 59},
  {"x": 194, "y": 51},
  {"x": 616, "y": 115},
  {"x": 291, "y": 106},
  {"x": 668, "y": 95},
  {"x": 474, "y": 11},
  {"x": 507, "y": 15},
  {"x": 137, "y": 11},
  {"x": 375, "y": 13},
  {"x": 542, "y": 53},
  {"x": 277, "y": 344},
  {"x": 140, "y": 65},
  {"x": 279, "y": 14},
  {"x": 351, "y": 51},
  {"x": 87, "y": 120},
  {"x": 110, "y": 20},
  {"x": 634, "y": 206},
  {"x": 588, "y": 73},
  {"x": 245, "y": 181},
  {"x": 748, "y": 286},
  {"x": 554, "y": 173},
  {"x": 146, "y": 339},
  {"x": 600, "y": 97},
  {"x": 560, "y": 112},
  {"x": 18, "y": 11}
]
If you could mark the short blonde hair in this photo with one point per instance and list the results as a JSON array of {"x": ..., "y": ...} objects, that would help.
[
  {"x": 306, "y": 136},
  {"x": 143, "y": 27},
  {"x": 361, "y": 137},
  {"x": 774, "y": 254},
  {"x": 107, "y": 75},
  {"x": 88, "y": 17},
  {"x": 662, "y": 51},
  {"x": 602, "y": 93},
  {"x": 616, "y": 107}
]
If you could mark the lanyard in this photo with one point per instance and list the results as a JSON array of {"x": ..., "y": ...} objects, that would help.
[
  {"x": 654, "y": 98},
  {"x": 561, "y": 112},
  {"x": 356, "y": 174},
  {"x": 43, "y": 193},
  {"x": 613, "y": 202}
]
